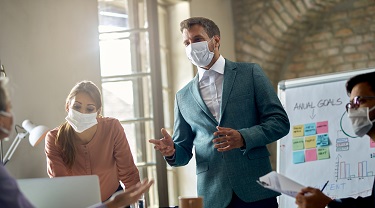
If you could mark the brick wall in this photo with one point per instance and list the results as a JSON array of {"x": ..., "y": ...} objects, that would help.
[{"x": 297, "y": 38}]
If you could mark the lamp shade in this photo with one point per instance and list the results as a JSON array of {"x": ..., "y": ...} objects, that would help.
[{"x": 36, "y": 133}]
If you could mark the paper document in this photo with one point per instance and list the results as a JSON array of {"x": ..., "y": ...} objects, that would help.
[{"x": 280, "y": 183}]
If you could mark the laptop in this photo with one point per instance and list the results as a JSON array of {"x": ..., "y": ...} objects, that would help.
[{"x": 62, "y": 192}]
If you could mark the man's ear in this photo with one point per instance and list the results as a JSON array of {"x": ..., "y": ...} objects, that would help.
[{"x": 217, "y": 41}]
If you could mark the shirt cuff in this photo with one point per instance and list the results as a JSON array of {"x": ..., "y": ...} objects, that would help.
[{"x": 170, "y": 158}]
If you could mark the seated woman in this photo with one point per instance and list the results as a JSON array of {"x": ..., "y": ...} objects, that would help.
[
  {"x": 89, "y": 144},
  {"x": 11, "y": 196}
]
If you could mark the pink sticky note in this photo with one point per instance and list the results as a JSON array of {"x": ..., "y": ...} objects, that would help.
[
  {"x": 310, "y": 155},
  {"x": 322, "y": 127}
]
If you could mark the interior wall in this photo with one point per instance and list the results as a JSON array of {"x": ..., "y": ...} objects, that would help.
[{"x": 46, "y": 47}]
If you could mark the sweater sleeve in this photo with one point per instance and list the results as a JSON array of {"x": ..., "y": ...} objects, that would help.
[
  {"x": 55, "y": 164},
  {"x": 127, "y": 170}
]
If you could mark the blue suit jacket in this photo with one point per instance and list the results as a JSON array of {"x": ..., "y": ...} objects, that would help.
[{"x": 249, "y": 105}]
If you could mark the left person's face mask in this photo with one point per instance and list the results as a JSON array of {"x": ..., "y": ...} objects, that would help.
[{"x": 80, "y": 121}]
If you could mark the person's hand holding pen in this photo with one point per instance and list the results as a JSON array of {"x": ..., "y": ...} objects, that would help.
[{"x": 312, "y": 198}]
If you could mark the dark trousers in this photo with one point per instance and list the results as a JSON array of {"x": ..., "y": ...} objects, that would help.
[{"x": 265, "y": 203}]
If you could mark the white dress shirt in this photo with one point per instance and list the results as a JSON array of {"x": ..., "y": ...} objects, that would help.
[{"x": 211, "y": 86}]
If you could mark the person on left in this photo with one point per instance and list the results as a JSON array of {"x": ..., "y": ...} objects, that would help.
[
  {"x": 90, "y": 144},
  {"x": 11, "y": 196}
]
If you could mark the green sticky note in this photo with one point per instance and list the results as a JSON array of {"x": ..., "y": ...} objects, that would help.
[
  {"x": 323, "y": 153},
  {"x": 298, "y": 143}
]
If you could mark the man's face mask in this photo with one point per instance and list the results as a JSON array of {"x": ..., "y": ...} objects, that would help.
[
  {"x": 199, "y": 54},
  {"x": 361, "y": 120},
  {"x": 80, "y": 121}
]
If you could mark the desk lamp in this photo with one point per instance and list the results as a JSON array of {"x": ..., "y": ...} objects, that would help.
[{"x": 36, "y": 135}]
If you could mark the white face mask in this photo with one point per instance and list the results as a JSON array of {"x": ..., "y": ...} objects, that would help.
[
  {"x": 199, "y": 54},
  {"x": 361, "y": 120},
  {"x": 80, "y": 121},
  {"x": 9, "y": 115}
]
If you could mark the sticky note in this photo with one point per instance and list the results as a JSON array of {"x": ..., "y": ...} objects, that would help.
[
  {"x": 323, "y": 153},
  {"x": 322, "y": 140},
  {"x": 298, "y": 143},
  {"x": 310, "y": 129},
  {"x": 310, "y": 142},
  {"x": 298, "y": 131},
  {"x": 310, "y": 155},
  {"x": 322, "y": 127},
  {"x": 298, "y": 157}
]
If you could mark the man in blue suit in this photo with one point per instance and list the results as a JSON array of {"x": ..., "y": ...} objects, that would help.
[{"x": 229, "y": 112}]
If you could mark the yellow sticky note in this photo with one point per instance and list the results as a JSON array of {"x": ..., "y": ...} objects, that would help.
[
  {"x": 310, "y": 142},
  {"x": 298, "y": 130}
]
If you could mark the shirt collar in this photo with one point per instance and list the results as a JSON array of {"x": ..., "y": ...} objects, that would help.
[{"x": 217, "y": 67}]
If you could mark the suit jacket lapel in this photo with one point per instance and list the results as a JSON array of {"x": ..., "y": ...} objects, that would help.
[
  {"x": 229, "y": 77},
  {"x": 194, "y": 89}
]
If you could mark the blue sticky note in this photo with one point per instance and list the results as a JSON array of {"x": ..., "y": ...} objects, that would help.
[
  {"x": 298, "y": 157},
  {"x": 322, "y": 140},
  {"x": 310, "y": 129}
]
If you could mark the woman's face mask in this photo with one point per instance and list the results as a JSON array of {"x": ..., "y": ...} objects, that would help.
[
  {"x": 80, "y": 121},
  {"x": 361, "y": 120},
  {"x": 199, "y": 54}
]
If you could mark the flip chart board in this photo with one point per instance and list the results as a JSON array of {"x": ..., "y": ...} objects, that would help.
[{"x": 321, "y": 145}]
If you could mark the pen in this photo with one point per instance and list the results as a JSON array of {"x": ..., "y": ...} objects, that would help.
[{"x": 324, "y": 186}]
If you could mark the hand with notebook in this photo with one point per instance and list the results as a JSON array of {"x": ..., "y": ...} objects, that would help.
[{"x": 280, "y": 183}]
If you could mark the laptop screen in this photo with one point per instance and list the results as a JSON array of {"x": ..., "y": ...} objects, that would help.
[{"x": 68, "y": 191}]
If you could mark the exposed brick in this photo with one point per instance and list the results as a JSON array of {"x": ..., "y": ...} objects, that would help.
[
  {"x": 369, "y": 37},
  {"x": 266, "y": 19},
  {"x": 336, "y": 60},
  {"x": 335, "y": 42},
  {"x": 332, "y": 51},
  {"x": 287, "y": 19},
  {"x": 371, "y": 64},
  {"x": 314, "y": 64},
  {"x": 277, "y": 20},
  {"x": 344, "y": 67},
  {"x": 324, "y": 35},
  {"x": 292, "y": 10},
  {"x": 320, "y": 45},
  {"x": 362, "y": 3},
  {"x": 345, "y": 32},
  {"x": 307, "y": 72},
  {"x": 357, "y": 13},
  {"x": 339, "y": 16},
  {"x": 366, "y": 47},
  {"x": 265, "y": 46},
  {"x": 353, "y": 40},
  {"x": 275, "y": 31},
  {"x": 349, "y": 49},
  {"x": 360, "y": 65},
  {"x": 300, "y": 6},
  {"x": 324, "y": 70},
  {"x": 264, "y": 34},
  {"x": 307, "y": 47},
  {"x": 296, "y": 67},
  {"x": 355, "y": 57}
]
